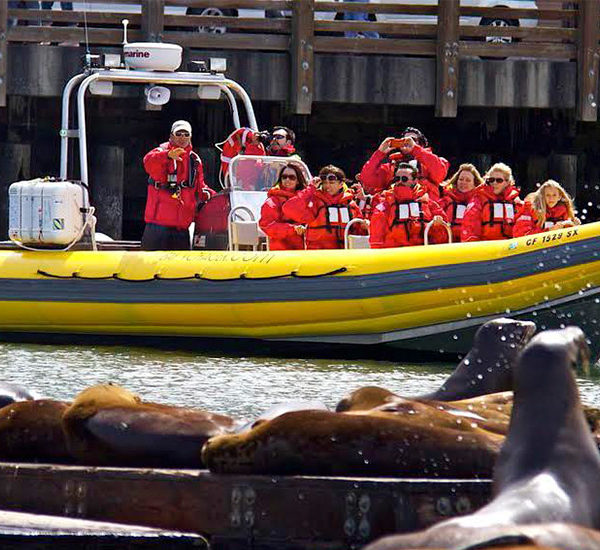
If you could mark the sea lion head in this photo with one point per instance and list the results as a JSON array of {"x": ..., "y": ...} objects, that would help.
[
  {"x": 102, "y": 396},
  {"x": 365, "y": 398}
]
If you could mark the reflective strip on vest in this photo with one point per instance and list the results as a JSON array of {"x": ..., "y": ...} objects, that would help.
[
  {"x": 460, "y": 211},
  {"x": 548, "y": 224},
  {"x": 503, "y": 210},
  {"x": 406, "y": 211},
  {"x": 338, "y": 214}
]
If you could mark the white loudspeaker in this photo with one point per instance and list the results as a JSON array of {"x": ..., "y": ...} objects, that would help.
[{"x": 158, "y": 95}]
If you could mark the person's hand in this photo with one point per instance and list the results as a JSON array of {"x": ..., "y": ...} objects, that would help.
[
  {"x": 175, "y": 153},
  {"x": 386, "y": 145},
  {"x": 316, "y": 181},
  {"x": 565, "y": 223},
  {"x": 299, "y": 229},
  {"x": 359, "y": 192},
  {"x": 407, "y": 145}
]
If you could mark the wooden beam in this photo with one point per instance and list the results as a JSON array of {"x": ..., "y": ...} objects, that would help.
[
  {"x": 302, "y": 54},
  {"x": 153, "y": 14},
  {"x": 588, "y": 55},
  {"x": 446, "y": 95},
  {"x": 3, "y": 28}
]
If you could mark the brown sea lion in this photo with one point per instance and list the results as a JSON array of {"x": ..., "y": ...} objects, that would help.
[
  {"x": 109, "y": 425},
  {"x": 488, "y": 366},
  {"x": 31, "y": 431},
  {"x": 376, "y": 442},
  {"x": 486, "y": 369},
  {"x": 547, "y": 478}
]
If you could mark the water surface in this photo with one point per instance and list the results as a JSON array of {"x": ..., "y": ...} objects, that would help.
[{"x": 241, "y": 386}]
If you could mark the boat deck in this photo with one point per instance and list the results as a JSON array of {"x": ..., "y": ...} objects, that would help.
[{"x": 287, "y": 513}]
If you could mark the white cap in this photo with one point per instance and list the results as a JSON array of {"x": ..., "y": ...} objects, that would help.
[{"x": 181, "y": 125}]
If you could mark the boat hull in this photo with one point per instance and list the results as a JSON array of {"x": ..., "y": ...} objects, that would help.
[{"x": 425, "y": 298}]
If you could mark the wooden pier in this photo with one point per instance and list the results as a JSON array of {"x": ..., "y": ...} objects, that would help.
[{"x": 241, "y": 512}]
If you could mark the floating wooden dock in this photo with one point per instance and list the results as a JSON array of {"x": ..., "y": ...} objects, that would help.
[{"x": 235, "y": 512}]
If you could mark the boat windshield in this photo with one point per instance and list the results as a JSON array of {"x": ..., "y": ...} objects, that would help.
[{"x": 252, "y": 173}]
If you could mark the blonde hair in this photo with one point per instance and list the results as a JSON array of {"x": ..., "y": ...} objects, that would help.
[
  {"x": 504, "y": 168},
  {"x": 467, "y": 167},
  {"x": 539, "y": 200}
]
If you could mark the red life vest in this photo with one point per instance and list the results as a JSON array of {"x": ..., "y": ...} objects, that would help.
[
  {"x": 237, "y": 143},
  {"x": 455, "y": 203}
]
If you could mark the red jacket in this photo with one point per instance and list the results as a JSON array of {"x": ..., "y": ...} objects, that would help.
[
  {"x": 164, "y": 206},
  {"x": 527, "y": 221},
  {"x": 326, "y": 216},
  {"x": 399, "y": 218},
  {"x": 489, "y": 216},
  {"x": 454, "y": 203},
  {"x": 376, "y": 175},
  {"x": 276, "y": 226}
]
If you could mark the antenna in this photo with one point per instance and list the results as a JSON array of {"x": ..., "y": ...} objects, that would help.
[{"x": 125, "y": 23}]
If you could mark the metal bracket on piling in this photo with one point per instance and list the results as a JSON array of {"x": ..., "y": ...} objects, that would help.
[
  {"x": 357, "y": 524},
  {"x": 242, "y": 513}
]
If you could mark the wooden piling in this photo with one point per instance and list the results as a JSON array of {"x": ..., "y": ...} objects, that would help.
[
  {"x": 302, "y": 57},
  {"x": 446, "y": 97},
  {"x": 588, "y": 57}
]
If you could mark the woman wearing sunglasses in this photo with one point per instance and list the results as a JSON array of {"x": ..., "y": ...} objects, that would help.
[
  {"x": 283, "y": 233},
  {"x": 401, "y": 213},
  {"x": 326, "y": 207},
  {"x": 491, "y": 213},
  {"x": 457, "y": 192},
  {"x": 550, "y": 207}
]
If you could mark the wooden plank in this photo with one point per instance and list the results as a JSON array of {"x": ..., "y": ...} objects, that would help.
[
  {"x": 333, "y": 44},
  {"x": 524, "y": 49},
  {"x": 153, "y": 13},
  {"x": 446, "y": 93},
  {"x": 229, "y": 41},
  {"x": 399, "y": 29},
  {"x": 76, "y": 16},
  {"x": 587, "y": 61},
  {"x": 273, "y": 511},
  {"x": 302, "y": 57},
  {"x": 532, "y": 33},
  {"x": 270, "y": 24},
  {"x": 62, "y": 34},
  {"x": 377, "y": 8},
  {"x": 235, "y": 4},
  {"x": 517, "y": 13},
  {"x": 3, "y": 50}
]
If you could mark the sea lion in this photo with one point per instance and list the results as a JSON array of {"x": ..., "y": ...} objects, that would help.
[
  {"x": 109, "y": 425},
  {"x": 486, "y": 369},
  {"x": 398, "y": 441},
  {"x": 31, "y": 431},
  {"x": 282, "y": 408},
  {"x": 11, "y": 393},
  {"x": 488, "y": 366},
  {"x": 547, "y": 478}
]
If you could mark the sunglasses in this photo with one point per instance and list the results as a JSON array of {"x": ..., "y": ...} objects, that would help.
[
  {"x": 404, "y": 179},
  {"x": 279, "y": 136},
  {"x": 330, "y": 178},
  {"x": 491, "y": 181},
  {"x": 292, "y": 177},
  {"x": 182, "y": 134}
]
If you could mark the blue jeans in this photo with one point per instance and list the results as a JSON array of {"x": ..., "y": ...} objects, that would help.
[
  {"x": 67, "y": 6},
  {"x": 356, "y": 16}
]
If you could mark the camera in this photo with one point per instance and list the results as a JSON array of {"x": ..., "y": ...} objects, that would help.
[{"x": 265, "y": 137}]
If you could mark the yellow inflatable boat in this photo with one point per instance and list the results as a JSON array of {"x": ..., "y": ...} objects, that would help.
[{"x": 425, "y": 298}]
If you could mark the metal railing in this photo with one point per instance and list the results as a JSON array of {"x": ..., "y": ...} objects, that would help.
[{"x": 306, "y": 28}]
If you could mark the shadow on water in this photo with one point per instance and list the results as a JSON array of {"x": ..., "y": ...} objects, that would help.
[{"x": 239, "y": 347}]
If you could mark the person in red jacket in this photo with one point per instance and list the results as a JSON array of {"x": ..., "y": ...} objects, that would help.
[
  {"x": 400, "y": 216},
  {"x": 550, "y": 207},
  {"x": 490, "y": 215},
  {"x": 325, "y": 206},
  {"x": 378, "y": 172},
  {"x": 456, "y": 195},
  {"x": 175, "y": 188},
  {"x": 283, "y": 233}
]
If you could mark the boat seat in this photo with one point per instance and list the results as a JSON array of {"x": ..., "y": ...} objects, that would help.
[
  {"x": 244, "y": 233},
  {"x": 356, "y": 241}
]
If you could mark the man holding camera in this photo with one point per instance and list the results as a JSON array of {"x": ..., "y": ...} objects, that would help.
[
  {"x": 412, "y": 147},
  {"x": 175, "y": 188}
]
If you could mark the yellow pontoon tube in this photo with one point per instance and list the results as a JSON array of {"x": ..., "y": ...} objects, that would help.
[{"x": 415, "y": 297}]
